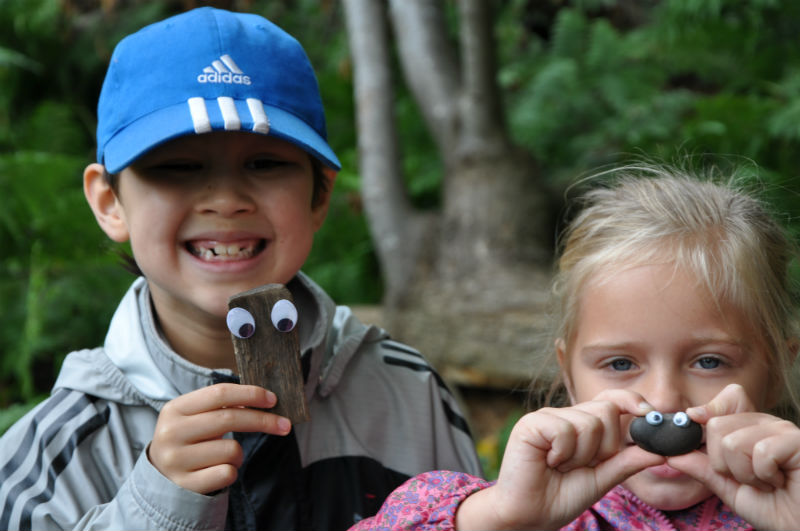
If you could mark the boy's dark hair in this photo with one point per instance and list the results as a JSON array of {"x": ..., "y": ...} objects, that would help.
[{"x": 321, "y": 187}]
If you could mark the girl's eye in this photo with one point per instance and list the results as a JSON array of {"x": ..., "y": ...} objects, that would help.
[
  {"x": 241, "y": 323},
  {"x": 284, "y": 315},
  {"x": 621, "y": 364},
  {"x": 709, "y": 362}
]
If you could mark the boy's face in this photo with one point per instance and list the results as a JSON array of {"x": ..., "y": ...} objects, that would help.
[{"x": 215, "y": 214}]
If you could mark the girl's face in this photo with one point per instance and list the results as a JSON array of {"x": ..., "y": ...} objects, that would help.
[{"x": 654, "y": 330}]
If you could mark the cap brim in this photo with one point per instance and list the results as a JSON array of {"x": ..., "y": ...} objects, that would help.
[{"x": 152, "y": 130}]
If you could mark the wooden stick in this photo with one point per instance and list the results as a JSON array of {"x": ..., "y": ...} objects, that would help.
[{"x": 270, "y": 358}]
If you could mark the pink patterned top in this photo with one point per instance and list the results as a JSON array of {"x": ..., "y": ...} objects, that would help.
[{"x": 428, "y": 502}]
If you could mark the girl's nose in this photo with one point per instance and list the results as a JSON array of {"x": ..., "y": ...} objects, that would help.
[{"x": 665, "y": 391}]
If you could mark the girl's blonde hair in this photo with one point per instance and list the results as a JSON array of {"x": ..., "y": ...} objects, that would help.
[{"x": 727, "y": 238}]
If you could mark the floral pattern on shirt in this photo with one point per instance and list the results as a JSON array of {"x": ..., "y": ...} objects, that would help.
[{"x": 428, "y": 502}]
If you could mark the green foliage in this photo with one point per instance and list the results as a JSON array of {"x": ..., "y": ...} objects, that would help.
[
  {"x": 492, "y": 447},
  {"x": 53, "y": 258},
  {"x": 584, "y": 87},
  {"x": 691, "y": 76}
]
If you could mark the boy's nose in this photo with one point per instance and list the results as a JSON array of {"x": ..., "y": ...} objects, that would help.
[{"x": 226, "y": 197}]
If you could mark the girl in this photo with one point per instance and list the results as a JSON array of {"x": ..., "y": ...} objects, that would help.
[{"x": 673, "y": 296}]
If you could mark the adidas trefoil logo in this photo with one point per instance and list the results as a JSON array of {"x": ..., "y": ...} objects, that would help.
[{"x": 223, "y": 70}]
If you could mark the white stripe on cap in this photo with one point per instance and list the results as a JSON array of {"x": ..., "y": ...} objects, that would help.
[
  {"x": 200, "y": 120},
  {"x": 228, "y": 60},
  {"x": 229, "y": 113},
  {"x": 220, "y": 67},
  {"x": 260, "y": 120}
]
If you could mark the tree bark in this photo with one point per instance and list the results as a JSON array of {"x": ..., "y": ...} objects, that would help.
[
  {"x": 395, "y": 226},
  {"x": 465, "y": 290}
]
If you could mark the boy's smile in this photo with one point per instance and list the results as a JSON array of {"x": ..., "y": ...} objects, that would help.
[
  {"x": 217, "y": 251},
  {"x": 212, "y": 215}
]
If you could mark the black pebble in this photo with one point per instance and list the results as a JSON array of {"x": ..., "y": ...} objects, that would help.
[{"x": 666, "y": 438}]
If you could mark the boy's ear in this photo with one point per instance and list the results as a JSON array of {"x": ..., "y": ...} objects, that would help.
[
  {"x": 104, "y": 203},
  {"x": 561, "y": 353},
  {"x": 320, "y": 210}
]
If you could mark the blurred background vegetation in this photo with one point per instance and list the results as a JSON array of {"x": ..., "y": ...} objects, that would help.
[{"x": 587, "y": 83}]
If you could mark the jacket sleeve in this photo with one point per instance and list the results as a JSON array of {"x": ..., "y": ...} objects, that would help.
[
  {"x": 429, "y": 411},
  {"x": 427, "y": 502},
  {"x": 72, "y": 463}
]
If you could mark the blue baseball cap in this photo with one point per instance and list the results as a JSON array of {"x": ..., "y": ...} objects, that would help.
[{"x": 208, "y": 70}]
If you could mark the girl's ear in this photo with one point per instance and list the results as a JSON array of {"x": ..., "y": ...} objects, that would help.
[
  {"x": 320, "y": 210},
  {"x": 104, "y": 203},
  {"x": 561, "y": 352}
]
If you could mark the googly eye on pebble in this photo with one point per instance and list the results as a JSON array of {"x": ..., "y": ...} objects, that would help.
[
  {"x": 654, "y": 418},
  {"x": 284, "y": 315},
  {"x": 241, "y": 323},
  {"x": 680, "y": 419}
]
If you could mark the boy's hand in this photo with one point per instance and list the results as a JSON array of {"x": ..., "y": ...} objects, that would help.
[
  {"x": 558, "y": 462},
  {"x": 752, "y": 461},
  {"x": 188, "y": 445}
]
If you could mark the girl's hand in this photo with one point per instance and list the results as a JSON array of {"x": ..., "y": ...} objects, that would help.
[
  {"x": 752, "y": 461},
  {"x": 188, "y": 445},
  {"x": 557, "y": 463}
]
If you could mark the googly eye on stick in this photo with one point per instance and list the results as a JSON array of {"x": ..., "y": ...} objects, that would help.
[
  {"x": 263, "y": 323},
  {"x": 666, "y": 433}
]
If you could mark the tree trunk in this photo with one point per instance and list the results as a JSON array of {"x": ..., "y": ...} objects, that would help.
[{"x": 469, "y": 294}]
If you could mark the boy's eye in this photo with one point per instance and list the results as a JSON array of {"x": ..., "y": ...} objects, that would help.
[
  {"x": 179, "y": 166},
  {"x": 621, "y": 364},
  {"x": 266, "y": 163}
]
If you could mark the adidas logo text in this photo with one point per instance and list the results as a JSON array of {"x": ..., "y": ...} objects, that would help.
[
  {"x": 214, "y": 77},
  {"x": 223, "y": 70}
]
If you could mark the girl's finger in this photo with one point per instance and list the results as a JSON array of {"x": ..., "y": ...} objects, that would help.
[
  {"x": 549, "y": 434},
  {"x": 777, "y": 455},
  {"x": 628, "y": 402},
  {"x": 623, "y": 465},
  {"x": 588, "y": 432},
  {"x": 610, "y": 431},
  {"x": 732, "y": 399}
]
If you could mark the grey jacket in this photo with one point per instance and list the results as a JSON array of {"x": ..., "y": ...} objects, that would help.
[{"x": 379, "y": 414}]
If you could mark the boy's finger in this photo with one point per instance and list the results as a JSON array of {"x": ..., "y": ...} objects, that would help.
[
  {"x": 221, "y": 421},
  {"x": 208, "y": 480},
  {"x": 214, "y": 424},
  {"x": 201, "y": 455},
  {"x": 223, "y": 396}
]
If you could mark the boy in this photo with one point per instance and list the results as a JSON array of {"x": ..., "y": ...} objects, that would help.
[{"x": 213, "y": 163}]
